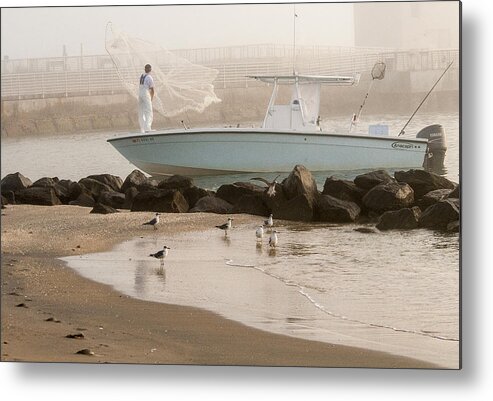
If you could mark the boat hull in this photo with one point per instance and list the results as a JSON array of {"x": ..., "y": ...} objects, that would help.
[{"x": 225, "y": 151}]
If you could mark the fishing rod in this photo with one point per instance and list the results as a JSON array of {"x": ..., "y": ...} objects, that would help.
[{"x": 426, "y": 97}]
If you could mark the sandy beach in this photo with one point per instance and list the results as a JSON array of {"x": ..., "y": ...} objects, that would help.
[{"x": 43, "y": 301}]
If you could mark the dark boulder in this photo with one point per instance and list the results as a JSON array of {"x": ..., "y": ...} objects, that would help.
[
  {"x": 113, "y": 199},
  {"x": 333, "y": 210},
  {"x": 94, "y": 187},
  {"x": 135, "y": 179},
  {"x": 37, "y": 196},
  {"x": 366, "y": 230},
  {"x": 161, "y": 200},
  {"x": 232, "y": 193},
  {"x": 403, "y": 219},
  {"x": 130, "y": 195},
  {"x": 300, "y": 182},
  {"x": 4, "y": 201},
  {"x": 84, "y": 199},
  {"x": 113, "y": 181},
  {"x": 454, "y": 226},
  {"x": 422, "y": 181},
  {"x": 387, "y": 196},
  {"x": 344, "y": 190},
  {"x": 433, "y": 197},
  {"x": 455, "y": 192},
  {"x": 61, "y": 191},
  {"x": 193, "y": 194},
  {"x": 251, "y": 204},
  {"x": 299, "y": 208},
  {"x": 369, "y": 180},
  {"x": 212, "y": 204},
  {"x": 99, "y": 208},
  {"x": 176, "y": 182},
  {"x": 14, "y": 182},
  {"x": 439, "y": 215}
]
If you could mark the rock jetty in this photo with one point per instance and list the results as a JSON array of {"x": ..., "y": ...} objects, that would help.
[{"x": 407, "y": 200}]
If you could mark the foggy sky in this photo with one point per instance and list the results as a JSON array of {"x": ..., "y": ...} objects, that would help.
[{"x": 42, "y": 32}]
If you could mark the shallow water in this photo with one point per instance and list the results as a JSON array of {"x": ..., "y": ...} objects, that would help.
[{"x": 395, "y": 291}]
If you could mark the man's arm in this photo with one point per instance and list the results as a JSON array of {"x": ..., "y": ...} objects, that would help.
[{"x": 151, "y": 91}]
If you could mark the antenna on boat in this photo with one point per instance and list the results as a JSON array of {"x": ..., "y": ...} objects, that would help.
[
  {"x": 377, "y": 72},
  {"x": 426, "y": 97},
  {"x": 294, "y": 38}
]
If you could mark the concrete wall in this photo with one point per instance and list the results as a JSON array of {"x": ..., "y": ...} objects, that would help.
[{"x": 395, "y": 94}]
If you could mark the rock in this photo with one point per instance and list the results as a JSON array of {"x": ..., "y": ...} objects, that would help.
[
  {"x": 344, "y": 190},
  {"x": 77, "y": 336},
  {"x": 232, "y": 193},
  {"x": 193, "y": 194},
  {"x": 37, "y": 196},
  {"x": 14, "y": 182},
  {"x": 369, "y": 180},
  {"x": 22, "y": 305},
  {"x": 103, "y": 209},
  {"x": 387, "y": 196},
  {"x": 176, "y": 182},
  {"x": 83, "y": 200},
  {"x": 422, "y": 181},
  {"x": 454, "y": 226},
  {"x": 85, "y": 351},
  {"x": 52, "y": 319},
  {"x": 212, "y": 204},
  {"x": 113, "y": 199},
  {"x": 4, "y": 201},
  {"x": 274, "y": 202},
  {"x": 161, "y": 200},
  {"x": 366, "y": 230},
  {"x": 61, "y": 191},
  {"x": 113, "y": 181},
  {"x": 75, "y": 189},
  {"x": 299, "y": 208},
  {"x": 94, "y": 187},
  {"x": 433, "y": 197},
  {"x": 403, "y": 219},
  {"x": 455, "y": 192},
  {"x": 439, "y": 215},
  {"x": 251, "y": 204},
  {"x": 135, "y": 179},
  {"x": 330, "y": 209},
  {"x": 130, "y": 195},
  {"x": 300, "y": 182}
]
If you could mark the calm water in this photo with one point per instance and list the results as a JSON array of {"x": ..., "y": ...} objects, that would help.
[
  {"x": 75, "y": 156},
  {"x": 395, "y": 291}
]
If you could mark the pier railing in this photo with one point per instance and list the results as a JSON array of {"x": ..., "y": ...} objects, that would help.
[{"x": 96, "y": 75}]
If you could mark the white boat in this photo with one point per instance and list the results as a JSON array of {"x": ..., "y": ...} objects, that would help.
[{"x": 290, "y": 135}]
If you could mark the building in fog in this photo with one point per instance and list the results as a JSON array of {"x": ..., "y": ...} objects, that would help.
[{"x": 407, "y": 25}]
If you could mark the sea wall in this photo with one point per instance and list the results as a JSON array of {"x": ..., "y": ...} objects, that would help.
[{"x": 244, "y": 106}]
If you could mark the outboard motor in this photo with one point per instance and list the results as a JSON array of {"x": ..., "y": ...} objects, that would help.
[{"x": 437, "y": 147}]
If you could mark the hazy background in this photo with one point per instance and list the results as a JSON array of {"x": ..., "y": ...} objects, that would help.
[{"x": 43, "y": 31}]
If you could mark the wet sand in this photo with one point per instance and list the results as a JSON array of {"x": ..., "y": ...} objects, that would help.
[{"x": 120, "y": 329}]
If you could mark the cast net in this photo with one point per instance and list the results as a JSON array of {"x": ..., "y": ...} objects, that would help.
[{"x": 180, "y": 85}]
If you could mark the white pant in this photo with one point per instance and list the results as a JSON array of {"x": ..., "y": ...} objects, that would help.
[{"x": 145, "y": 110}]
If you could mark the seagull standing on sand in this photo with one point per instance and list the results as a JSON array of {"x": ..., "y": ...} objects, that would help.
[
  {"x": 271, "y": 185},
  {"x": 154, "y": 222},
  {"x": 260, "y": 233},
  {"x": 273, "y": 239},
  {"x": 226, "y": 226},
  {"x": 161, "y": 254},
  {"x": 269, "y": 222}
]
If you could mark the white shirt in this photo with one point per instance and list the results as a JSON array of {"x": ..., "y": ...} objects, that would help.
[{"x": 148, "y": 81}]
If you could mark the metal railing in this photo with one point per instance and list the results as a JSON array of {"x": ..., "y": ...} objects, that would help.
[{"x": 94, "y": 75}]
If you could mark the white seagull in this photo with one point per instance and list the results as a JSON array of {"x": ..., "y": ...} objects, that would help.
[
  {"x": 226, "y": 226},
  {"x": 271, "y": 186},
  {"x": 269, "y": 222},
  {"x": 273, "y": 239},
  {"x": 154, "y": 222},
  {"x": 259, "y": 233},
  {"x": 161, "y": 254}
]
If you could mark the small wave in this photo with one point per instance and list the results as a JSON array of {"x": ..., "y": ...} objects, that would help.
[{"x": 321, "y": 308}]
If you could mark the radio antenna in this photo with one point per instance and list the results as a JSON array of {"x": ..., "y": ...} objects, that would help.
[{"x": 294, "y": 38}]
